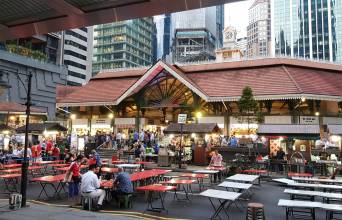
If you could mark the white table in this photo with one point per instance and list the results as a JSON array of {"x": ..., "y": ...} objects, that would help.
[
  {"x": 297, "y": 206},
  {"x": 283, "y": 180},
  {"x": 243, "y": 178},
  {"x": 210, "y": 172},
  {"x": 316, "y": 186},
  {"x": 128, "y": 166},
  {"x": 317, "y": 180},
  {"x": 223, "y": 197},
  {"x": 235, "y": 185},
  {"x": 314, "y": 193}
]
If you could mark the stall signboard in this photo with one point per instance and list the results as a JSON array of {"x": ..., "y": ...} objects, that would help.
[
  {"x": 309, "y": 120},
  {"x": 182, "y": 118},
  {"x": 73, "y": 142}
]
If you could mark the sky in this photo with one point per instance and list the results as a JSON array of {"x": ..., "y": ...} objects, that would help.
[{"x": 236, "y": 15}]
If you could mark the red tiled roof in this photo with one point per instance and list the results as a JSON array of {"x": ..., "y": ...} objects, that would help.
[
  {"x": 317, "y": 81},
  {"x": 121, "y": 73},
  {"x": 260, "y": 63},
  {"x": 263, "y": 81},
  {"x": 63, "y": 91},
  {"x": 13, "y": 107},
  {"x": 99, "y": 91},
  {"x": 273, "y": 77}
]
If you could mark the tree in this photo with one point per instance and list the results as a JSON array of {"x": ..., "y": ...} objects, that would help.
[{"x": 248, "y": 108}]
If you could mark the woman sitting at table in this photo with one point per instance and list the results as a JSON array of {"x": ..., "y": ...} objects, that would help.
[{"x": 123, "y": 185}]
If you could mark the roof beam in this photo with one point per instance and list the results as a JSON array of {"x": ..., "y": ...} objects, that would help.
[
  {"x": 64, "y": 7},
  {"x": 126, "y": 12}
]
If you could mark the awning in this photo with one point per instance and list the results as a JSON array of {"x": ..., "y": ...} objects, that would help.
[
  {"x": 4, "y": 127},
  {"x": 288, "y": 129},
  {"x": 41, "y": 127},
  {"x": 205, "y": 128},
  {"x": 335, "y": 129}
]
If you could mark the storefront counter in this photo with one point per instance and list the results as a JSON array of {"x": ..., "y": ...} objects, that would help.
[
  {"x": 228, "y": 153},
  {"x": 327, "y": 152}
]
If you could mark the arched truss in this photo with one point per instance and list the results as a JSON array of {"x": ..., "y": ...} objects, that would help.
[{"x": 166, "y": 91}]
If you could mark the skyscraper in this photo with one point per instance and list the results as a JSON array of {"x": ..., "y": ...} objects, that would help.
[
  {"x": 259, "y": 29},
  {"x": 123, "y": 44},
  {"x": 308, "y": 28},
  {"x": 163, "y": 25},
  {"x": 77, "y": 54},
  {"x": 196, "y": 34}
]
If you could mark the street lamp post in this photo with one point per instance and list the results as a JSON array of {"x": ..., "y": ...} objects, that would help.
[{"x": 24, "y": 167}]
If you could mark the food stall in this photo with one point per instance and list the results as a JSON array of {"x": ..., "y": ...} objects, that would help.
[
  {"x": 201, "y": 137},
  {"x": 5, "y": 132},
  {"x": 41, "y": 131}
]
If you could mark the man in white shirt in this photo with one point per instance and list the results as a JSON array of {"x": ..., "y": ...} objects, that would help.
[
  {"x": 118, "y": 139},
  {"x": 90, "y": 186}
]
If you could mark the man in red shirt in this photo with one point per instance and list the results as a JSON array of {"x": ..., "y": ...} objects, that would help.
[
  {"x": 48, "y": 149},
  {"x": 55, "y": 153},
  {"x": 34, "y": 152}
]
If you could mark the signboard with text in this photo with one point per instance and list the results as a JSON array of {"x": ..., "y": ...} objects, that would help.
[
  {"x": 309, "y": 120},
  {"x": 182, "y": 118}
]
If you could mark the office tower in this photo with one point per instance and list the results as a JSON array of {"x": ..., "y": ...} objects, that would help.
[
  {"x": 123, "y": 44},
  {"x": 308, "y": 28},
  {"x": 77, "y": 54},
  {"x": 259, "y": 29},
  {"x": 196, "y": 34},
  {"x": 163, "y": 25}
]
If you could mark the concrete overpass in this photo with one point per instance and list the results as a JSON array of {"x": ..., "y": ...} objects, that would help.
[{"x": 20, "y": 18}]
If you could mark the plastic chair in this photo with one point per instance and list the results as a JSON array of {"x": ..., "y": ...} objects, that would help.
[{"x": 125, "y": 201}]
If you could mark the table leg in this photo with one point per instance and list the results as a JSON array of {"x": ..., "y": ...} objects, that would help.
[{"x": 43, "y": 185}]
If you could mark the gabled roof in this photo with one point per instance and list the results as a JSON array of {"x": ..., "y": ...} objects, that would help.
[
  {"x": 269, "y": 78},
  {"x": 41, "y": 127},
  {"x": 16, "y": 108},
  {"x": 154, "y": 71}
]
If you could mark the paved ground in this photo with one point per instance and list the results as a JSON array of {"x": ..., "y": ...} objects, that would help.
[
  {"x": 48, "y": 212},
  {"x": 199, "y": 208}
]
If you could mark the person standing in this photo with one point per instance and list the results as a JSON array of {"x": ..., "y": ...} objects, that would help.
[
  {"x": 55, "y": 152},
  {"x": 34, "y": 150},
  {"x": 75, "y": 177},
  {"x": 90, "y": 186},
  {"x": 96, "y": 157},
  {"x": 216, "y": 161},
  {"x": 119, "y": 139},
  {"x": 135, "y": 136},
  {"x": 48, "y": 149}
]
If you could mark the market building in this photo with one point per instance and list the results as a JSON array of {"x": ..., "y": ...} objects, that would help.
[{"x": 290, "y": 92}]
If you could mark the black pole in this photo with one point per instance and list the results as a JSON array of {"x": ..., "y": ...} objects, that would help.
[
  {"x": 23, "y": 186},
  {"x": 180, "y": 147}
]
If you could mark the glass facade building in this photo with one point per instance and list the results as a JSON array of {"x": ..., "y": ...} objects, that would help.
[
  {"x": 310, "y": 29},
  {"x": 195, "y": 34},
  {"x": 123, "y": 44}
]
